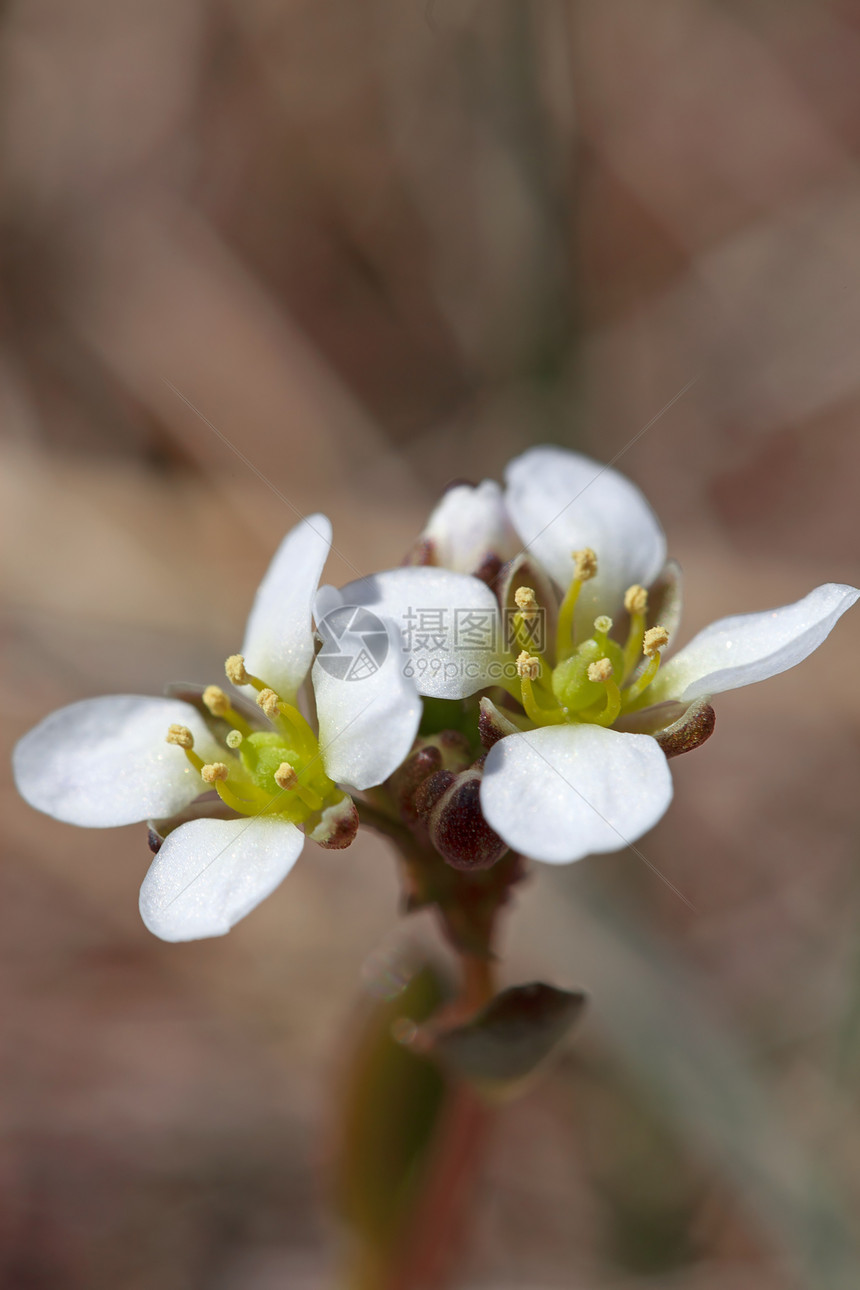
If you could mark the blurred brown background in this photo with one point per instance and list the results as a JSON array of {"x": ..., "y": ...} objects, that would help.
[{"x": 261, "y": 257}]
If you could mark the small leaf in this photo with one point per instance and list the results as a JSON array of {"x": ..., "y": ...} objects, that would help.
[{"x": 514, "y": 1033}]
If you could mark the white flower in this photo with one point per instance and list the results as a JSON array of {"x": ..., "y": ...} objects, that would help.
[
  {"x": 579, "y": 764},
  {"x": 122, "y": 759},
  {"x": 469, "y": 531}
]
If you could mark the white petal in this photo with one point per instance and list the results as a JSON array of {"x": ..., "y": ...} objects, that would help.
[
  {"x": 368, "y": 710},
  {"x": 104, "y": 762},
  {"x": 751, "y": 647},
  {"x": 449, "y": 624},
  {"x": 210, "y": 873},
  {"x": 278, "y": 643},
  {"x": 469, "y": 524},
  {"x": 564, "y": 792},
  {"x": 561, "y": 502}
]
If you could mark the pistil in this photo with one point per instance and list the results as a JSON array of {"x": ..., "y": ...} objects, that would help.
[{"x": 602, "y": 628}]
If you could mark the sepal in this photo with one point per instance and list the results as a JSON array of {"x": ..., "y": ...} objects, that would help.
[
  {"x": 677, "y": 727},
  {"x": 337, "y": 826},
  {"x": 494, "y": 724}
]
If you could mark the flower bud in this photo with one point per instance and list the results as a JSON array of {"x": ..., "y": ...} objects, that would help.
[
  {"x": 456, "y": 824},
  {"x": 446, "y": 751}
]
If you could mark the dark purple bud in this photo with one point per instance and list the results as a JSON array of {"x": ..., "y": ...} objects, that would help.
[
  {"x": 457, "y": 827},
  {"x": 446, "y": 751},
  {"x": 429, "y": 792},
  {"x": 489, "y": 568}
]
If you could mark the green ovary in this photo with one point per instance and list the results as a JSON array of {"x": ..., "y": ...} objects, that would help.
[
  {"x": 263, "y": 753},
  {"x": 570, "y": 683}
]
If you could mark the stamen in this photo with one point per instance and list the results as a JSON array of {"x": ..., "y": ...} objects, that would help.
[
  {"x": 636, "y": 599},
  {"x": 270, "y": 703},
  {"x": 602, "y": 671},
  {"x": 655, "y": 639},
  {"x": 526, "y": 602},
  {"x": 234, "y": 739},
  {"x": 216, "y": 700},
  {"x": 584, "y": 569},
  {"x": 235, "y": 669},
  {"x": 214, "y": 771},
  {"x": 219, "y": 705},
  {"x": 181, "y": 736},
  {"x": 636, "y": 604},
  {"x": 284, "y": 714},
  {"x": 525, "y": 620},
  {"x": 309, "y": 796},
  {"x": 528, "y": 667},
  {"x": 584, "y": 564},
  {"x": 285, "y": 776}
]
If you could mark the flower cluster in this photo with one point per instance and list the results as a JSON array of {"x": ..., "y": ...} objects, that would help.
[{"x": 546, "y": 734}]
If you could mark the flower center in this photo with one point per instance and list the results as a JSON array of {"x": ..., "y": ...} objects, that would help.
[
  {"x": 274, "y": 772},
  {"x": 597, "y": 679}
]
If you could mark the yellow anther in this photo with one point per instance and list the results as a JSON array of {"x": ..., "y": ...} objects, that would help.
[
  {"x": 636, "y": 599},
  {"x": 528, "y": 667},
  {"x": 584, "y": 564},
  {"x": 234, "y": 738},
  {"x": 270, "y": 703},
  {"x": 235, "y": 669},
  {"x": 655, "y": 639},
  {"x": 526, "y": 602},
  {"x": 214, "y": 771},
  {"x": 602, "y": 624},
  {"x": 600, "y": 671},
  {"x": 285, "y": 776},
  {"x": 216, "y": 700},
  {"x": 181, "y": 736}
]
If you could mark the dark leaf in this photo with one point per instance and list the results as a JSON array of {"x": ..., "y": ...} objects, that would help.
[{"x": 513, "y": 1034}]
